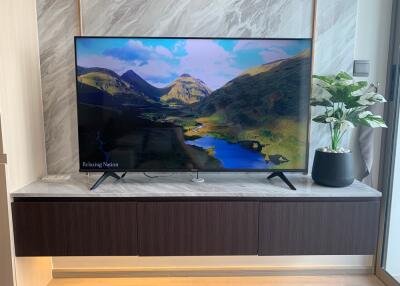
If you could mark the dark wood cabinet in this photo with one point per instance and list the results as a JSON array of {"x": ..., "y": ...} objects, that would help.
[
  {"x": 318, "y": 228},
  {"x": 74, "y": 228},
  {"x": 195, "y": 226},
  {"x": 198, "y": 228}
]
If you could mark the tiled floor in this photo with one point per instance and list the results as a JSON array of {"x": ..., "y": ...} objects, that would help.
[{"x": 338, "y": 280}]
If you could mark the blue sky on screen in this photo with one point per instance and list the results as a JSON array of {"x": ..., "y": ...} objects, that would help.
[{"x": 160, "y": 61}]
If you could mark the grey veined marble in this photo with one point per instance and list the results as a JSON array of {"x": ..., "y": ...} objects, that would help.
[
  {"x": 58, "y": 23},
  {"x": 180, "y": 185},
  {"x": 335, "y": 36},
  {"x": 201, "y": 18},
  {"x": 334, "y": 52}
]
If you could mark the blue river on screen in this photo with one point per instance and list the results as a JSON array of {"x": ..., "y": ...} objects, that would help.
[{"x": 232, "y": 155}]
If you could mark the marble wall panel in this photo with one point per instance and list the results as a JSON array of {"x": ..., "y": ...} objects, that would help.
[
  {"x": 334, "y": 52},
  {"x": 197, "y": 18},
  {"x": 58, "y": 22}
]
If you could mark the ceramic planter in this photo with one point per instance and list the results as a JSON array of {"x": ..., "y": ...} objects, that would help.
[{"x": 333, "y": 169}]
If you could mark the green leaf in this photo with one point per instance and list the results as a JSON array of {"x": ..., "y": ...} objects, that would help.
[
  {"x": 323, "y": 102},
  {"x": 352, "y": 102},
  {"x": 320, "y": 96},
  {"x": 343, "y": 76},
  {"x": 327, "y": 79},
  {"x": 357, "y": 85},
  {"x": 341, "y": 93},
  {"x": 373, "y": 121},
  {"x": 370, "y": 98},
  {"x": 338, "y": 113},
  {"x": 346, "y": 102},
  {"x": 320, "y": 118},
  {"x": 355, "y": 115},
  {"x": 362, "y": 117}
]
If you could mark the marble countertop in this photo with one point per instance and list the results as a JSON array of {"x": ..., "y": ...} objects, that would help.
[{"x": 180, "y": 185}]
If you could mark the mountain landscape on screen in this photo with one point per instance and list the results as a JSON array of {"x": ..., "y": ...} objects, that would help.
[{"x": 183, "y": 104}]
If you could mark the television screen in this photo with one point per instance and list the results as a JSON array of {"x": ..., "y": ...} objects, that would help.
[{"x": 182, "y": 104}]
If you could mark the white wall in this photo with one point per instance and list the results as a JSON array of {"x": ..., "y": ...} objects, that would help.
[
  {"x": 372, "y": 43},
  {"x": 22, "y": 129},
  {"x": 20, "y": 94}
]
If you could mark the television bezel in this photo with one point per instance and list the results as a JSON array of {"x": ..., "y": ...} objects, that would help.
[{"x": 300, "y": 170}]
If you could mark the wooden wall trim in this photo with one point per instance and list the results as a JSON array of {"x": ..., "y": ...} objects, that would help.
[{"x": 80, "y": 20}]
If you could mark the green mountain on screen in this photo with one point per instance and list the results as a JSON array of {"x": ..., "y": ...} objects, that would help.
[
  {"x": 107, "y": 81},
  {"x": 269, "y": 89},
  {"x": 186, "y": 90},
  {"x": 142, "y": 87}
]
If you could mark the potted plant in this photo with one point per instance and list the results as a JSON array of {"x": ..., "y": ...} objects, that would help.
[{"x": 343, "y": 103}]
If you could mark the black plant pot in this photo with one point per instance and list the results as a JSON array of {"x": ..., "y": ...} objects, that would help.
[{"x": 333, "y": 169}]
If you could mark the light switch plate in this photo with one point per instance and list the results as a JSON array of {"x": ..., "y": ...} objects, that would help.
[{"x": 361, "y": 68}]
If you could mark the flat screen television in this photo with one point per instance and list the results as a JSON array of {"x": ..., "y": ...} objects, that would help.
[{"x": 184, "y": 104}]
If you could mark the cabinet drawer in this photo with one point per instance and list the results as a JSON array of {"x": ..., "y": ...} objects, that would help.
[
  {"x": 74, "y": 228},
  {"x": 318, "y": 228},
  {"x": 198, "y": 228}
]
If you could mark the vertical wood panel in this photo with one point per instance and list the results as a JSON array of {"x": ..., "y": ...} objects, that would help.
[
  {"x": 198, "y": 228},
  {"x": 195, "y": 228},
  {"x": 75, "y": 229},
  {"x": 318, "y": 228}
]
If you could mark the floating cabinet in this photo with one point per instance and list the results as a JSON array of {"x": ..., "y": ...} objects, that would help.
[{"x": 195, "y": 226}]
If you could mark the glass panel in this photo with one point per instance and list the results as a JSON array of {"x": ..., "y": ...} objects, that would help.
[
  {"x": 390, "y": 173},
  {"x": 392, "y": 263}
]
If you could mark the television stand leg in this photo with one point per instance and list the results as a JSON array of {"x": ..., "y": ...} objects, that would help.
[
  {"x": 283, "y": 178},
  {"x": 103, "y": 178}
]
